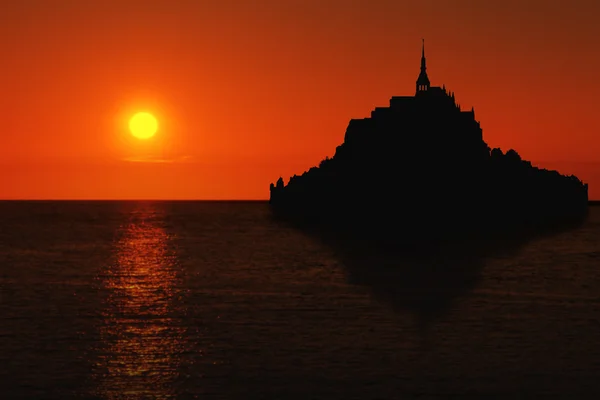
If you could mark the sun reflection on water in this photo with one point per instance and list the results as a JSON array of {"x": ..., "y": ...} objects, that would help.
[{"x": 141, "y": 335}]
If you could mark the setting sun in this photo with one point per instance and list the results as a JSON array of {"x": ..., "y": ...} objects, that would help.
[{"x": 143, "y": 125}]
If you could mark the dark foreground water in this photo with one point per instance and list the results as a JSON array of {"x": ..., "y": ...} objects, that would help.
[{"x": 136, "y": 300}]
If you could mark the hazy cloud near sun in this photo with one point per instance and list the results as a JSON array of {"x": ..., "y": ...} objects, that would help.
[{"x": 157, "y": 159}]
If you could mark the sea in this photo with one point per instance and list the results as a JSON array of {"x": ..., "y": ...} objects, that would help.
[{"x": 196, "y": 300}]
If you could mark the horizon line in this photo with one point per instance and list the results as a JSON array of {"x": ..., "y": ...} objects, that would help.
[
  {"x": 597, "y": 201},
  {"x": 135, "y": 200}
]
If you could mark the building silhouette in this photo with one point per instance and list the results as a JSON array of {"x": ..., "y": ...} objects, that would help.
[{"x": 420, "y": 167}]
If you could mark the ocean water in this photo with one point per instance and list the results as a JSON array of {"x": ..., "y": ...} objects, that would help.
[{"x": 185, "y": 300}]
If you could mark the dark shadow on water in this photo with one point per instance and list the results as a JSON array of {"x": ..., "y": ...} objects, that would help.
[{"x": 423, "y": 279}]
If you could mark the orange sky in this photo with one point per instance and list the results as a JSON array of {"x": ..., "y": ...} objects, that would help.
[{"x": 246, "y": 91}]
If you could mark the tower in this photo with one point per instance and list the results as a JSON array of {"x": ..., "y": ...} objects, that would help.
[{"x": 423, "y": 80}]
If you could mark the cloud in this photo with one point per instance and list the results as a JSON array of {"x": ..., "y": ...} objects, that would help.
[{"x": 156, "y": 159}]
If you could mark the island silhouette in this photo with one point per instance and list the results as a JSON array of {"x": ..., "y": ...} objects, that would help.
[{"x": 419, "y": 170}]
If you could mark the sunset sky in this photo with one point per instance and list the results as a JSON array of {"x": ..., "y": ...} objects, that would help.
[{"x": 247, "y": 91}]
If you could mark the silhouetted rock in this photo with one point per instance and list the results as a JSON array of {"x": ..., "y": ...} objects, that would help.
[{"x": 420, "y": 169}]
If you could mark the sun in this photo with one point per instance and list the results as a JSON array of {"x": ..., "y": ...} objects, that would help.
[{"x": 143, "y": 125}]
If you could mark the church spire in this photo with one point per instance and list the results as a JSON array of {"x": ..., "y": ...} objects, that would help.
[
  {"x": 423, "y": 66},
  {"x": 423, "y": 80}
]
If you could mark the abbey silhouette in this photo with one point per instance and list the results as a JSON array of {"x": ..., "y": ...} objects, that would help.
[{"x": 420, "y": 168}]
